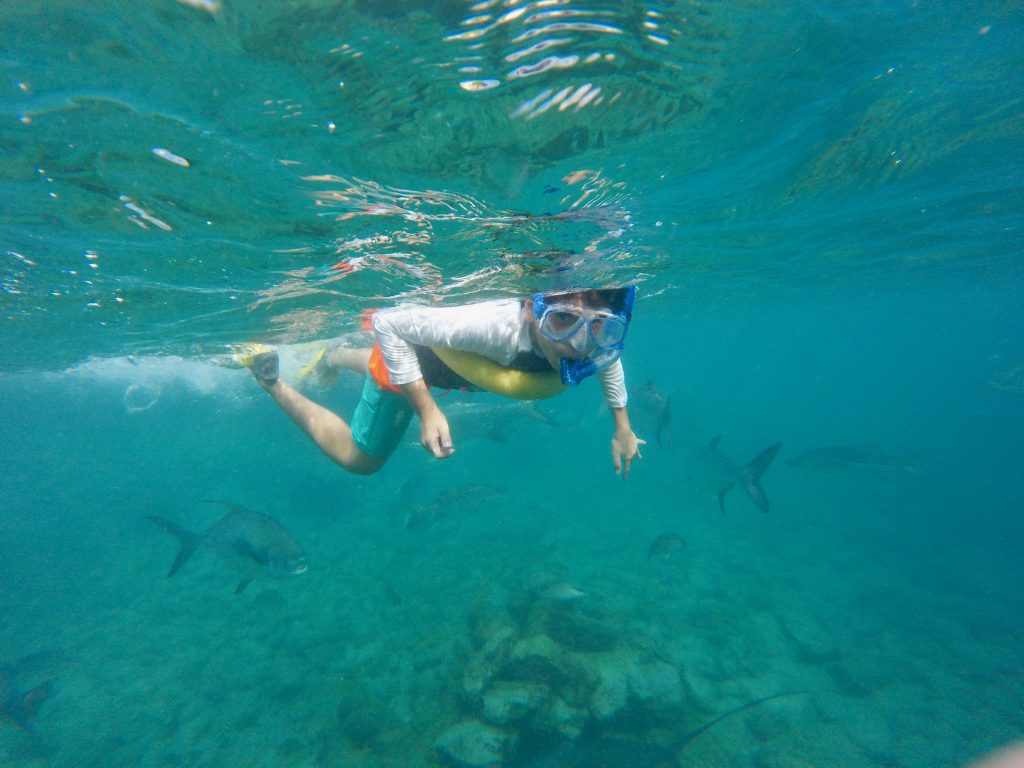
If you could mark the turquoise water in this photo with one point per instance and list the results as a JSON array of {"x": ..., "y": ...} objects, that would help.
[{"x": 820, "y": 205}]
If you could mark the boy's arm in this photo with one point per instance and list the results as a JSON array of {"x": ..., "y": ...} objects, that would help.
[
  {"x": 489, "y": 328},
  {"x": 625, "y": 444}
]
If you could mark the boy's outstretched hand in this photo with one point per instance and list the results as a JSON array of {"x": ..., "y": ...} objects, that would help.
[
  {"x": 435, "y": 435},
  {"x": 625, "y": 445}
]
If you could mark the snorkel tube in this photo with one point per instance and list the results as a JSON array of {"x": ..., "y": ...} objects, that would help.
[{"x": 574, "y": 371}]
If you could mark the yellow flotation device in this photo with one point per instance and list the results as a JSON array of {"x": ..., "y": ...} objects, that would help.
[{"x": 509, "y": 382}]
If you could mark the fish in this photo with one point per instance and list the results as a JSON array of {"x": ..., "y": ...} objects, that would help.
[
  {"x": 665, "y": 545},
  {"x": 463, "y": 499},
  {"x": 868, "y": 457},
  {"x": 562, "y": 592},
  {"x": 656, "y": 410},
  {"x": 252, "y": 541},
  {"x": 726, "y": 473},
  {"x": 498, "y": 422},
  {"x": 1011, "y": 378}
]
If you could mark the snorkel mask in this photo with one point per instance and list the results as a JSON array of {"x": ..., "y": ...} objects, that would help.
[{"x": 601, "y": 331}]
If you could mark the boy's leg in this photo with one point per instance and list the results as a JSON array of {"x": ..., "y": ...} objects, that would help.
[
  {"x": 328, "y": 362},
  {"x": 325, "y": 428},
  {"x": 352, "y": 359},
  {"x": 328, "y": 430}
]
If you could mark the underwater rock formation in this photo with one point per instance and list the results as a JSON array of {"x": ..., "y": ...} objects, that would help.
[
  {"x": 558, "y": 671},
  {"x": 472, "y": 744}
]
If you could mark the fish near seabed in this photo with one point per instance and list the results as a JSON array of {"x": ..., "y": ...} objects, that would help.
[
  {"x": 665, "y": 544},
  {"x": 561, "y": 592},
  {"x": 253, "y": 541},
  {"x": 726, "y": 473},
  {"x": 463, "y": 499}
]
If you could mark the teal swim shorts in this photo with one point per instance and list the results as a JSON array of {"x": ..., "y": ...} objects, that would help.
[{"x": 379, "y": 420}]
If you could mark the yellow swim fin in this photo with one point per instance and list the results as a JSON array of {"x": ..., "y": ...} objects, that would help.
[
  {"x": 245, "y": 354},
  {"x": 318, "y": 370}
]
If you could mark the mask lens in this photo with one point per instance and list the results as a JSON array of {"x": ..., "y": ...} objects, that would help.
[
  {"x": 607, "y": 331},
  {"x": 559, "y": 324}
]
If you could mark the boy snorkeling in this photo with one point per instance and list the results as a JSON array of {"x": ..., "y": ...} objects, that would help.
[{"x": 526, "y": 348}]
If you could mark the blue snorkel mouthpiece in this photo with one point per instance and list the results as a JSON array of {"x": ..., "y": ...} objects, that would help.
[{"x": 575, "y": 371}]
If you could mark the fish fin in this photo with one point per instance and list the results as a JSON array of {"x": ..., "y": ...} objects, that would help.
[
  {"x": 752, "y": 475},
  {"x": 23, "y": 711},
  {"x": 537, "y": 414},
  {"x": 757, "y": 495},
  {"x": 188, "y": 540},
  {"x": 721, "y": 498},
  {"x": 242, "y": 585},
  {"x": 246, "y": 549},
  {"x": 666, "y": 431},
  {"x": 228, "y": 504},
  {"x": 761, "y": 462},
  {"x": 713, "y": 445}
]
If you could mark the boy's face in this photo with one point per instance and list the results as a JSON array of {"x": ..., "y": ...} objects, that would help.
[{"x": 570, "y": 325}]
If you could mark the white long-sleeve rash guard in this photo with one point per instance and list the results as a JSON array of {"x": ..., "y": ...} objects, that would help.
[{"x": 497, "y": 330}]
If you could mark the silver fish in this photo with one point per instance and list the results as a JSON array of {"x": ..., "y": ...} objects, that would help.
[
  {"x": 1011, "y": 378},
  {"x": 562, "y": 592},
  {"x": 868, "y": 457},
  {"x": 464, "y": 499},
  {"x": 724, "y": 473},
  {"x": 498, "y": 422},
  {"x": 253, "y": 541}
]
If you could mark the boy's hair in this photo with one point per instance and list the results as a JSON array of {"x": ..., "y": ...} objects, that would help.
[{"x": 598, "y": 298}]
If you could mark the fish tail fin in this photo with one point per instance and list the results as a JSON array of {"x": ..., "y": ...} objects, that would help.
[
  {"x": 23, "y": 711},
  {"x": 752, "y": 475},
  {"x": 188, "y": 540},
  {"x": 761, "y": 462}
]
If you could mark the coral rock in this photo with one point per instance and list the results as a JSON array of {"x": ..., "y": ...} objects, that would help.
[
  {"x": 472, "y": 744},
  {"x": 562, "y": 718},
  {"x": 505, "y": 702},
  {"x": 486, "y": 663},
  {"x": 656, "y": 684},
  {"x": 537, "y": 658},
  {"x": 810, "y": 637}
]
